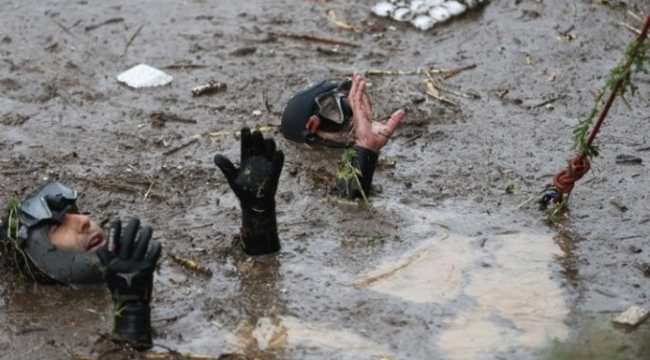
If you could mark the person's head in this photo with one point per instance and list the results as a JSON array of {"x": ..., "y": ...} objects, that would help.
[
  {"x": 320, "y": 114},
  {"x": 58, "y": 239}
]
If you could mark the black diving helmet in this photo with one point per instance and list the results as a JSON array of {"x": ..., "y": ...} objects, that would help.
[{"x": 36, "y": 213}]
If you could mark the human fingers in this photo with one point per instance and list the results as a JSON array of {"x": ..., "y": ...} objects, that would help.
[
  {"x": 143, "y": 243},
  {"x": 246, "y": 143},
  {"x": 226, "y": 166},
  {"x": 354, "y": 91},
  {"x": 108, "y": 251},
  {"x": 154, "y": 254},
  {"x": 278, "y": 161},
  {"x": 394, "y": 120},
  {"x": 269, "y": 147},
  {"x": 365, "y": 105},
  {"x": 126, "y": 242},
  {"x": 114, "y": 233},
  {"x": 258, "y": 143}
]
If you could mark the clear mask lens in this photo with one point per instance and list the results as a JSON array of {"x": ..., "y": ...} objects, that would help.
[
  {"x": 330, "y": 107},
  {"x": 40, "y": 204}
]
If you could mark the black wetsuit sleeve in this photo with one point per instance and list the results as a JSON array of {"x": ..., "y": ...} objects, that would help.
[
  {"x": 259, "y": 230},
  {"x": 364, "y": 161}
]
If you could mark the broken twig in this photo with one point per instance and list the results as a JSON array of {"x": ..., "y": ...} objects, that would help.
[
  {"x": 165, "y": 117},
  {"x": 180, "y": 147},
  {"x": 435, "y": 93},
  {"x": 184, "y": 66},
  {"x": 629, "y": 27},
  {"x": 189, "y": 264},
  {"x": 338, "y": 23},
  {"x": 135, "y": 34},
  {"x": 109, "y": 21},
  {"x": 267, "y": 128},
  {"x": 315, "y": 38},
  {"x": 447, "y": 73}
]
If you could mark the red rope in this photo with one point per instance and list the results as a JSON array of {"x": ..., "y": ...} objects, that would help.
[{"x": 565, "y": 179}]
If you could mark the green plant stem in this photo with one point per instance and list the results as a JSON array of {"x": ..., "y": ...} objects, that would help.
[{"x": 620, "y": 78}]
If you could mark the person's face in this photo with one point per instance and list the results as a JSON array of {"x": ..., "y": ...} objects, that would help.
[{"x": 76, "y": 232}]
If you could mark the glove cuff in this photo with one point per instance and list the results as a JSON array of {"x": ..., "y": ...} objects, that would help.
[
  {"x": 364, "y": 160},
  {"x": 259, "y": 230},
  {"x": 132, "y": 325}
]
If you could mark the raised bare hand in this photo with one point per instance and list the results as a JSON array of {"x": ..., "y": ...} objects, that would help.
[{"x": 369, "y": 134}]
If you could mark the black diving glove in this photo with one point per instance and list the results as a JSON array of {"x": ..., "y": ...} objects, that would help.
[
  {"x": 254, "y": 183},
  {"x": 363, "y": 162},
  {"x": 129, "y": 277}
]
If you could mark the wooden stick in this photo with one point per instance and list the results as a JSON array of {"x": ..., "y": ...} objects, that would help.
[
  {"x": 447, "y": 73},
  {"x": 159, "y": 115},
  {"x": 338, "y": 23},
  {"x": 315, "y": 38},
  {"x": 630, "y": 27},
  {"x": 189, "y": 264},
  {"x": 180, "y": 147},
  {"x": 135, "y": 34},
  {"x": 267, "y": 128},
  {"x": 109, "y": 21}
]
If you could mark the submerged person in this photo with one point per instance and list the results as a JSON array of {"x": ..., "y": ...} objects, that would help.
[
  {"x": 48, "y": 239},
  {"x": 340, "y": 115},
  {"x": 255, "y": 183}
]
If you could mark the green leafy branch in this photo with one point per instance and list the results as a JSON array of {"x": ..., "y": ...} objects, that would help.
[
  {"x": 619, "y": 81},
  {"x": 12, "y": 219},
  {"x": 349, "y": 172}
]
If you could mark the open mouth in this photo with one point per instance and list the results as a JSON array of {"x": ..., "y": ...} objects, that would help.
[{"x": 95, "y": 241}]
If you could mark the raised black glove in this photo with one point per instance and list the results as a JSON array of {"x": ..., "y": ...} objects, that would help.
[
  {"x": 129, "y": 276},
  {"x": 364, "y": 161},
  {"x": 254, "y": 183}
]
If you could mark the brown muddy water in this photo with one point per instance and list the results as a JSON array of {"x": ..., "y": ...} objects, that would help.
[{"x": 444, "y": 265}]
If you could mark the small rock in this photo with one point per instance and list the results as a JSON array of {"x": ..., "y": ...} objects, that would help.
[
  {"x": 418, "y": 99},
  {"x": 244, "y": 51},
  {"x": 633, "y": 316},
  {"x": 628, "y": 159}
]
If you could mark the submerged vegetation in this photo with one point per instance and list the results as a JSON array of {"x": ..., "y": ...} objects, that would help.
[
  {"x": 350, "y": 174},
  {"x": 13, "y": 257}
]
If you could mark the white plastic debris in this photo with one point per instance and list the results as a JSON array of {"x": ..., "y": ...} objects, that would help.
[
  {"x": 383, "y": 9},
  {"x": 415, "y": 11},
  {"x": 143, "y": 76},
  {"x": 419, "y": 7},
  {"x": 423, "y": 22},
  {"x": 432, "y": 3},
  {"x": 454, "y": 7},
  {"x": 632, "y": 316},
  {"x": 439, "y": 14},
  {"x": 402, "y": 14}
]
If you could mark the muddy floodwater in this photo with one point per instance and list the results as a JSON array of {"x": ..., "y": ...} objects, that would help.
[{"x": 443, "y": 264}]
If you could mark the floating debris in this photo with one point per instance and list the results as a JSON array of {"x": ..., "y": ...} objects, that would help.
[
  {"x": 633, "y": 316},
  {"x": 189, "y": 264},
  {"x": 143, "y": 76},
  {"x": 383, "y": 9},
  {"x": 209, "y": 88},
  {"x": 425, "y": 14},
  {"x": 628, "y": 159}
]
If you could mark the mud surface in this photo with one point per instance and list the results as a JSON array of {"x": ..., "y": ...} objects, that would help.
[{"x": 444, "y": 265}]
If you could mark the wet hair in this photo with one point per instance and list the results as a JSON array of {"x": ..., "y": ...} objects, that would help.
[{"x": 13, "y": 259}]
